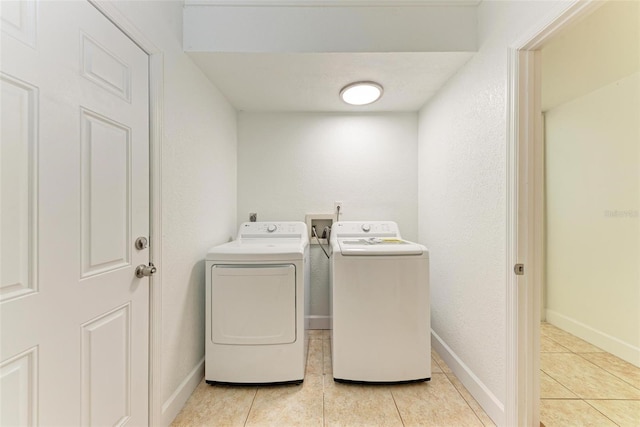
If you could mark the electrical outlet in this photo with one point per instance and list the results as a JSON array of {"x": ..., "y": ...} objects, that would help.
[{"x": 337, "y": 206}]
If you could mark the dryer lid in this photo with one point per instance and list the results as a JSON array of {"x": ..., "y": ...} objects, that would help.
[
  {"x": 373, "y": 246},
  {"x": 264, "y": 241},
  {"x": 284, "y": 249}
]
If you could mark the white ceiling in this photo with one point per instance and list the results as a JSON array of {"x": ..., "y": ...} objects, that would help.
[
  {"x": 366, "y": 3},
  {"x": 348, "y": 3},
  {"x": 265, "y": 55},
  {"x": 312, "y": 81}
]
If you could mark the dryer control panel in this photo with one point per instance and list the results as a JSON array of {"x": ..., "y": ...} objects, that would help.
[{"x": 279, "y": 230}]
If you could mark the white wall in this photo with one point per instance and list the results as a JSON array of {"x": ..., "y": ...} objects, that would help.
[
  {"x": 593, "y": 231},
  {"x": 591, "y": 86},
  {"x": 601, "y": 48},
  {"x": 198, "y": 195},
  {"x": 462, "y": 203},
  {"x": 293, "y": 164}
]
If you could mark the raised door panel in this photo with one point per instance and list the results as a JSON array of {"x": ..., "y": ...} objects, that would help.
[
  {"x": 106, "y": 369},
  {"x": 105, "y": 68},
  {"x": 106, "y": 194},
  {"x": 18, "y": 19},
  {"x": 18, "y": 188},
  {"x": 19, "y": 389}
]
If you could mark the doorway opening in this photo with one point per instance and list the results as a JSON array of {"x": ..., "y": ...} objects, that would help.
[{"x": 530, "y": 216}]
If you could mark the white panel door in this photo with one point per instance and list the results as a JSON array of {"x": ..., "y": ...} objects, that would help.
[{"x": 74, "y": 194}]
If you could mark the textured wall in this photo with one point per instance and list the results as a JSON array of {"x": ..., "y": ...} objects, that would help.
[
  {"x": 293, "y": 164},
  {"x": 198, "y": 187},
  {"x": 462, "y": 203}
]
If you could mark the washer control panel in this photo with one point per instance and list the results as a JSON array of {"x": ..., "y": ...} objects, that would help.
[
  {"x": 365, "y": 228},
  {"x": 272, "y": 230}
]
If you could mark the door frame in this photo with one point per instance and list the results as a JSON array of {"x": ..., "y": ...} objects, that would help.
[
  {"x": 525, "y": 213},
  {"x": 156, "y": 123}
]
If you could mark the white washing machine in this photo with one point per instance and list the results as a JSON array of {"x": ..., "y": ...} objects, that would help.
[
  {"x": 255, "y": 305},
  {"x": 380, "y": 304}
]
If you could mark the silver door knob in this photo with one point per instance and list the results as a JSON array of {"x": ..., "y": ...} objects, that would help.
[{"x": 145, "y": 270}]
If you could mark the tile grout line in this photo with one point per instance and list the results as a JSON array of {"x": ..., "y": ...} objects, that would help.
[
  {"x": 250, "y": 407},
  {"x": 463, "y": 398},
  {"x": 306, "y": 362},
  {"x": 580, "y": 398},
  {"x": 324, "y": 418},
  {"x": 572, "y": 336},
  {"x": 606, "y": 370},
  {"x": 396, "y": 405},
  {"x": 322, "y": 344},
  {"x": 605, "y": 399},
  {"x": 561, "y": 385},
  {"x": 579, "y": 354},
  {"x": 554, "y": 379},
  {"x": 456, "y": 388},
  {"x": 604, "y": 415},
  {"x": 564, "y": 398},
  {"x": 433, "y": 359}
]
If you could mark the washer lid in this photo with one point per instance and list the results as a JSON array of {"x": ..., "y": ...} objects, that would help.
[{"x": 372, "y": 246}]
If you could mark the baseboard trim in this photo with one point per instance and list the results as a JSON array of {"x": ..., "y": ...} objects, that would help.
[
  {"x": 489, "y": 402},
  {"x": 319, "y": 322},
  {"x": 608, "y": 343},
  {"x": 176, "y": 401}
]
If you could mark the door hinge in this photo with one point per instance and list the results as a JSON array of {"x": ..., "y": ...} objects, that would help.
[{"x": 519, "y": 269}]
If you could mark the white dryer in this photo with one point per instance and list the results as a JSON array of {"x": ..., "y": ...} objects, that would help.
[
  {"x": 255, "y": 305},
  {"x": 380, "y": 304}
]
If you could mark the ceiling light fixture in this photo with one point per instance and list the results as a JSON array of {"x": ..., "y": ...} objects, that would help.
[{"x": 361, "y": 93}]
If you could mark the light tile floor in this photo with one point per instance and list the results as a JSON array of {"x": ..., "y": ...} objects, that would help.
[
  {"x": 319, "y": 401},
  {"x": 581, "y": 385}
]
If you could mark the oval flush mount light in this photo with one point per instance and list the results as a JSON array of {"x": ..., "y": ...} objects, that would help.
[{"x": 361, "y": 93}]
